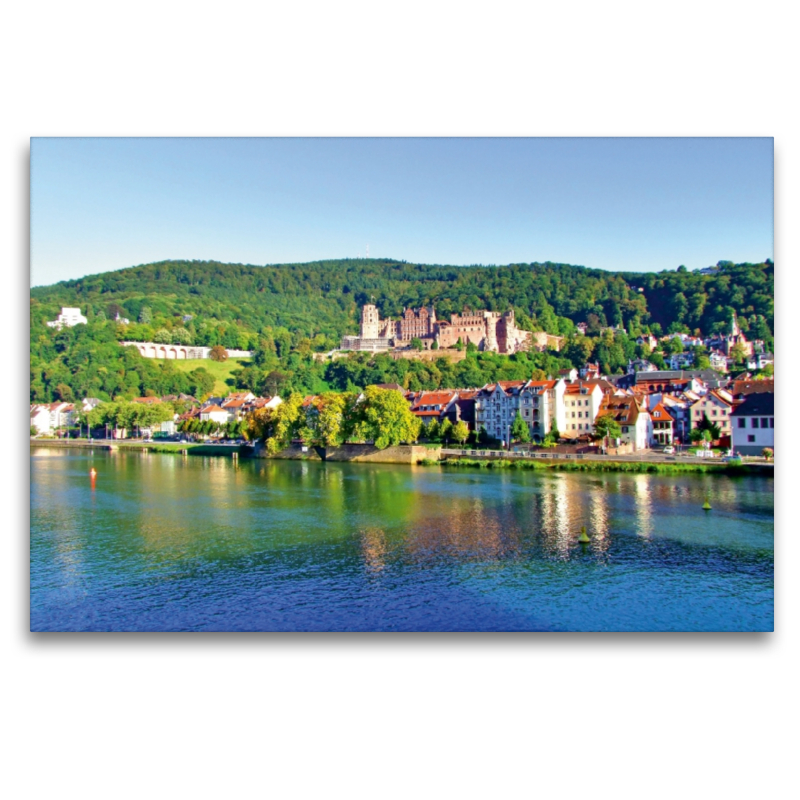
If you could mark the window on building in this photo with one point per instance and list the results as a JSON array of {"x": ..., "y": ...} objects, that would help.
[
  {"x": 751, "y": 437},
  {"x": 742, "y": 422},
  {"x": 753, "y": 422},
  {"x": 772, "y": 422},
  {"x": 764, "y": 422}
]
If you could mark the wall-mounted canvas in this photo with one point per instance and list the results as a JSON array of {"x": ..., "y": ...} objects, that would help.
[{"x": 399, "y": 384}]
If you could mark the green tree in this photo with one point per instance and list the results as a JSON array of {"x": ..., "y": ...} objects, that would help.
[
  {"x": 289, "y": 419},
  {"x": 162, "y": 336},
  {"x": 519, "y": 429},
  {"x": 433, "y": 431},
  {"x": 145, "y": 316},
  {"x": 181, "y": 336},
  {"x": 327, "y": 423},
  {"x": 460, "y": 432},
  {"x": 64, "y": 393},
  {"x": 388, "y": 420},
  {"x": 259, "y": 424},
  {"x": 446, "y": 431},
  {"x": 416, "y": 344},
  {"x": 738, "y": 353},
  {"x": 713, "y": 428},
  {"x": 698, "y": 435},
  {"x": 606, "y": 426}
]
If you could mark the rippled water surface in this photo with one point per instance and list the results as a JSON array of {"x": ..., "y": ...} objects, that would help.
[{"x": 163, "y": 542}]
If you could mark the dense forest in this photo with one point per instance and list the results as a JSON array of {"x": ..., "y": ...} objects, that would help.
[{"x": 287, "y": 312}]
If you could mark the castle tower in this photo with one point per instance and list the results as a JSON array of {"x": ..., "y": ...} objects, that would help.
[
  {"x": 490, "y": 343},
  {"x": 506, "y": 333},
  {"x": 370, "y": 322}
]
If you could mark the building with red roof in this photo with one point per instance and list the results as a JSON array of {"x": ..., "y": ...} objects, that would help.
[
  {"x": 662, "y": 425},
  {"x": 633, "y": 418}
]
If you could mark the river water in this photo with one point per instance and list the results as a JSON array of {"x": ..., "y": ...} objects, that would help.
[{"x": 171, "y": 543}]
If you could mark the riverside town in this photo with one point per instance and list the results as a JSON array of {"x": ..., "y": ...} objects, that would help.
[
  {"x": 307, "y": 447},
  {"x": 681, "y": 393},
  {"x": 358, "y": 443}
]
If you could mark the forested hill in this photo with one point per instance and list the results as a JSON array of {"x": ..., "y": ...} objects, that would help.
[
  {"x": 285, "y": 313},
  {"x": 235, "y": 304}
]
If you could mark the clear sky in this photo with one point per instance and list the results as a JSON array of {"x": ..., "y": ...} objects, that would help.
[{"x": 628, "y": 204}]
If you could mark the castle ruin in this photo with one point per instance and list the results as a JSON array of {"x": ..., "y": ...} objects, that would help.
[{"x": 487, "y": 330}]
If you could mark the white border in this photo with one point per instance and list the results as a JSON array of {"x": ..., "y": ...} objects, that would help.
[{"x": 434, "y": 716}]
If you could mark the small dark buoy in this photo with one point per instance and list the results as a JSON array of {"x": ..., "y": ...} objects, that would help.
[{"x": 584, "y": 537}]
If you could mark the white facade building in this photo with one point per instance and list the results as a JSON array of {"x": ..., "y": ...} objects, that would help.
[
  {"x": 215, "y": 414},
  {"x": 48, "y": 417},
  {"x": 753, "y": 424},
  {"x": 579, "y": 407},
  {"x": 681, "y": 360},
  {"x": 760, "y": 360},
  {"x": 496, "y": 406},
  {"x": 68, "y": 318}
]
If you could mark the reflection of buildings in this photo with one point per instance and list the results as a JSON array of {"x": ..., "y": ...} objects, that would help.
[
  {"x": 373, "y": 547},
  {"x": 644, "y": 505},
  {"x": 598, "y": 515}
]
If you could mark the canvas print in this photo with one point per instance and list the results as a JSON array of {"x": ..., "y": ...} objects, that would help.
[{"x": 399, "y": 384}]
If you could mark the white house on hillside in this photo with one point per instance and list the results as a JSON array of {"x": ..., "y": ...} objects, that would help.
[{"x": 68, "y": 318}]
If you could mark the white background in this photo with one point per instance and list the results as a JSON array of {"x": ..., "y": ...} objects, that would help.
[{"x": 644, "y": 716}]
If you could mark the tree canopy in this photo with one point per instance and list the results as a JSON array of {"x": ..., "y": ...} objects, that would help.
[{"x": 288, "y": 312}]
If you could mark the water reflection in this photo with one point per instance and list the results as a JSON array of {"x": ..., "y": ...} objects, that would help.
[
  {"x": 373, "y": 546},
  {"x": 598, "y": 515},
  {"x": 644, "y": 510},
  {"x": 236, "y": 542}
]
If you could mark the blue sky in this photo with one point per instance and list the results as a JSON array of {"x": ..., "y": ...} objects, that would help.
[{"x": 627, "y": 204}]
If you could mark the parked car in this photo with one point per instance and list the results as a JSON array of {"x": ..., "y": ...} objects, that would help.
[{"x": 669, "y": 450}]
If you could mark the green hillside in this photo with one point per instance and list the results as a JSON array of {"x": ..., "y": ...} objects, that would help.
[
  {"x": 221, "y": 371},
  {"x": 286, "y": 312}
]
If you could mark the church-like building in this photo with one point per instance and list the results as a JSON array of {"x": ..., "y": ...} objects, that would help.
[{"x": 487, "y": 330}]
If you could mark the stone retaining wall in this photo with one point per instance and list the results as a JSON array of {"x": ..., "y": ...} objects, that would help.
[{"x": 401, "y": 454}]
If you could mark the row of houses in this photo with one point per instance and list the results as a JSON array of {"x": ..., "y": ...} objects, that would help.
[
  {"x": 49, "y": 417},
  {"x": 233, "y": 408},
  {"x": 652, "y": 410},
  {"x": 649, "y": 413},
  {"x": 719, "y": 346}
]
